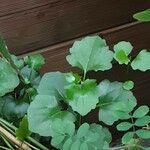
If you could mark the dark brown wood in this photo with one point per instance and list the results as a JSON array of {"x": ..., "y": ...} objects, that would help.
[
  {"x": 137, "y": 34},
  {"x": 8, "y": 7},
  {"x": 37, "y": 25}
]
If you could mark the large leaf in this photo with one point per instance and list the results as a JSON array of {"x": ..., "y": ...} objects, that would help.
[
  {"x": 113, "y": 99},
  {"x": 83, "y": 97},
  {"x": 8, "y": 78},
  {"x": 53, "y": 84},
  {"x": 143, "y": 16},
  {"x": 42, "y": 113},
  {"x": 122, "y": 50},
  {"x": 88, "y": 137},
  {"x": 61, "y": 130},
  {"x": 142, "y": 61},
  {"x": 91, "y": 53},
  {"x": 12, "y": 109}
]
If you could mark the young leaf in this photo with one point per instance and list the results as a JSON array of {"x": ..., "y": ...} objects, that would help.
[
  {"x": 141, "y": 111},
  {"x": 83, "y": 97},
  {"x": 23, "y": 132},
  {"x": 122, "y": 50},
  {"x": 143, "y": 134},
  {"x": 127, "y": 137},
  {"x": 8, "y": 78},
  {"x": 18, "y": 62},
  {"x": 142, "y": 61},
  {"x": 53, "y": 84},
  {"x": 124, "y": 126},
  {"x": 128, "y": 85},
  {"x": 35, "y": 61},
  {"x": 91, "y": 53},
  {"x": 113, "y": 98},
  {"x": 143, "y": 16},
  {"x": 42, "y": 113},
  {"x": 142, "y": 121}
]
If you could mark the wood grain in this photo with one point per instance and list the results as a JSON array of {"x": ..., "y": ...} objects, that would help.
[
  {"x": 136, "y": 33},
  {"x": 40, "y": 24}
]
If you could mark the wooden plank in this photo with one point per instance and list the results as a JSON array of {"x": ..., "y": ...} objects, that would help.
[
  {"x": 136, "y": 33},
  {"x": 8, "y": 7},
  {"x": 46, "y": 25}
]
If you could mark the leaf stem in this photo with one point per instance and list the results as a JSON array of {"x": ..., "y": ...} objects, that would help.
[{"x": 84, "y": 75}]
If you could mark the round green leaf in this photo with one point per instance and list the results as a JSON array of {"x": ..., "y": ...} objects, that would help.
[
  {"x": 144, "y": 134},
  {"x": 43, "y": 111},
  {"x": 8, "y": 78},
  {"x": 91, "y": 53},
  {"x": 127, "y": 137},
  {"x": 142, "y": 121},
  {"x": 141, "y": 111},
  {"x": 113, "y": 99},
  {"x": 83, "y": 97},
  {"x": 53, "y": 84},
  {"x": 35, "y": 61},
  {"x": 128, "y": 85},
  {"x": 142, "y": 61},
  {"x": 124, "y": 126},
  {"x": 82, "y": 131},
  {"x": 122, "y": 50}
]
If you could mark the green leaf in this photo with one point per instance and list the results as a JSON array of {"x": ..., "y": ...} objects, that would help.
[
  {"x": 124, "y": 126},
  {"x": 53, "y": 84},
  {"x": 31, "y": 75},
  {"x": 114, "y": 98},
  {"x": 141, "y": 111},
  {"x": 82, "y": 131},
  {"x": 127, "y": 137},
  {"x": 42, "y": 113},
  {"x": 82, "y": 97},
  {"x": 122, "y": 50},
  {"x": 144, "y": 134},
  {"x": 128, "y": 85},
  {"x": 8, "y": 78},
  {"x": 23, "y": 132},
  {"x": 12, "y": 109},
  {"x": 142, "y": 61},
  {"x": 61, "y": 130},
  {"x": 18, "y": 62},
  {"x": 108, "y": 136},
  {"x": 143, "y": 16},
  {"x": 4, "y": 49},
  {"x": 87, "y": 137},
  {"x": 91, "y": 53},
  {"x": 142, "y": 121},
  {"x": 35, "y": 61}
]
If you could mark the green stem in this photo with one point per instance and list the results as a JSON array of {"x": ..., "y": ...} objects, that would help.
[
  {"x": 5, "y": 148},
  {"x": 84, "y": 75},
  {"x": 7, "y": 143},
  {"x": 33, "y": 141}
]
